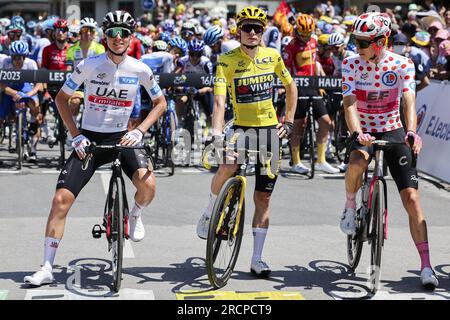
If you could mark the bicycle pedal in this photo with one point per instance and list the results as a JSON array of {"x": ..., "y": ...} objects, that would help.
[{"x": 97, "y": 231}]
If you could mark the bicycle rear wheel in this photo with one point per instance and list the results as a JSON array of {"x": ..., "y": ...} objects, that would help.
[
  {"x": 377, "y": 235},
  {"x": 309, "y": 136},
  {"x": 117, "y": 232},
  {"x": 222, "y": 248}
]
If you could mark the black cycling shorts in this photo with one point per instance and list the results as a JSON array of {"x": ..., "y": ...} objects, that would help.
[
  {"x": 261, "y": 139},
  {"x": 398, "y": 158},
  {"x": 74, "y": 178},
  {"x": 303, "y": 101}
]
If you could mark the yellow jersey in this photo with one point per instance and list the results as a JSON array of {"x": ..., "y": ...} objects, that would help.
[{"x": 250, "y": 84}]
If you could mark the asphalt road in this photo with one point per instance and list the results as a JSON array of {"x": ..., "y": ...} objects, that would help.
[{"x": 304, "y": 246}]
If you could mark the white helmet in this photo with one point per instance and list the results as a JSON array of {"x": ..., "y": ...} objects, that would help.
[
  {"x": 373, "y": 25},
  {"x": 336, "y": 39},
  {"x": 88, "y": 22}
]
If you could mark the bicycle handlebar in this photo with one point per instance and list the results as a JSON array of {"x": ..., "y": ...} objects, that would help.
[
  {"x": 383, "y": 143},
  {"x": 116, "y": 147}
]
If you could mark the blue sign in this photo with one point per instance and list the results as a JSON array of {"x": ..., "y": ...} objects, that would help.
[{"x": 148, "y": 4}]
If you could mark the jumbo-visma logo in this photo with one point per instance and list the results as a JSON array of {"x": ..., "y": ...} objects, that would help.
[
  {"x": 421, "y": 113},
  {"x": 389, "y": 78}
]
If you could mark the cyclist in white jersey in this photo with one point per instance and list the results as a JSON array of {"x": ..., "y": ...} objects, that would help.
[
  {"x": 272, "y": 38},
  {"x": 373, "y": 82},
  {"x": 111, "y": 81}
]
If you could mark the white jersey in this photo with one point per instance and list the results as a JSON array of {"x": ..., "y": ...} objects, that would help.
[
  {"x": 159, "y": 62},
  {"x": 204, "y": 67},
  {"x": 338, "y": 62},
  {"x": 229, "y": 45},
  {"x": 272, "y": 38},
  {"x": 28, "y": 64},
  {"x": 110, "y": 90}
]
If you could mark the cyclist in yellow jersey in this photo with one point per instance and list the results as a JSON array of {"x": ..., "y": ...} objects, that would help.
[{"x": 248, "y": 73}]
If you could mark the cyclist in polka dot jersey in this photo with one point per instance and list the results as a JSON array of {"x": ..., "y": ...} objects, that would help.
[
  {"x": 373, "y": 81},
  {"x": 378, "y": 89}
]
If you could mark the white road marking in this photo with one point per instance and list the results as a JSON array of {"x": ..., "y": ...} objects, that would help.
[
  {"x": 386, "y": 295},
  {"x": 84, "y": 294},
  {"x": 128, "y": 252},
  {"x": 105, "y": 177},
  {"x": 10, "y": 171}
]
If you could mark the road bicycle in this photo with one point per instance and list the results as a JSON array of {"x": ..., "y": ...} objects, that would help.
[
  {"x": 372, "y": 211},
  {"x": 226, "y": 225},
  {"x": 115, "y": 217}
]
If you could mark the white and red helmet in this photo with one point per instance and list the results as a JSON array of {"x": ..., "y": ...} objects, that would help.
[{"x": 372, "y": 24}]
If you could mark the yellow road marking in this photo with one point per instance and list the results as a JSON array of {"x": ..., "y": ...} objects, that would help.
[{"x": 239, "y": 295}]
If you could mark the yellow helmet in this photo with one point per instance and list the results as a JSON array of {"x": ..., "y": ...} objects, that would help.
[
  {"x": 323, "y": 39},
  {"x": 252, "y": 13},
  {"x": 233, "y": 31}
]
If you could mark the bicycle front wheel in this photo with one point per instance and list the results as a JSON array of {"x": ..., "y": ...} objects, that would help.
[
  {"x": 377, "y": 235},
  {"x": 117, "y": 232},
  {"x": 19, "y": 140},
  {"x": 223, "y": 244}
]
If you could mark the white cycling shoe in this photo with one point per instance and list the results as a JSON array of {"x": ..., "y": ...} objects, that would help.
[
  {"x": 136, "y": 228},
  {"x": 203, "y": 226},
  {"x": 260, "y": 269},
  {"x": 428, "y": 279},
  {"x": 348, "y": 223},
  {"x": 300, "y": 168},
  {"x": 43, "y": 276},
  {"x": 326, "y": 167}
]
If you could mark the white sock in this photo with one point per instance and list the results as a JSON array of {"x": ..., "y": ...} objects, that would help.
[
  {"x": 137, "y": 210},
  {"x": 44, "y": 127},
  {"x": 209, "y": 208},
  {"x": 259, "y": 236},
  {"x": 51, "y": 245}
]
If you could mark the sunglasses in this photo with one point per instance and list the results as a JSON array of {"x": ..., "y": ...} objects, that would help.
[
  {"x": 187, "y": 33},
  {"x": 364, "y": 44},
  {"x": 87, "y": 29},
  {"x": 15, "y": 33},
  {"x": 63, "y": 30},
  {"x": 17, "y": 57},
  {"x": 247, "y": 28},
  {"x": 113, "y": 32},
  {"x": 195, "y": 54}
]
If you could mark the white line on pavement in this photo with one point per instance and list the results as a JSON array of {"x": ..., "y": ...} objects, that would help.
[
  {"x": 84, "y": 294},
  {"x": 128, "y": 252}
]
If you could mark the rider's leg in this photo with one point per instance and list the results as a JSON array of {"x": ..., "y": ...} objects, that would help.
[
  {"x": 35, "y": 122},
  {"x": 359, "y": 160},
  {"x": 260, "y": 223},
  {"x": 322, "y": 137},
  {"x": 179, "y": 106}
]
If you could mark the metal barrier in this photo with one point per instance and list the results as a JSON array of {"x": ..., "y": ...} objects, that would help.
[{"x": 164, "y": 79}]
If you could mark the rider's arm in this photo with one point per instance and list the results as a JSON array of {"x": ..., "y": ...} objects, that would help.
[
  {"x": 67, "y": 90},
  {"x": 409, "y": 96},
  {"x": 62, "y": 102},
  {"x": 290, "y": 87},
  {"x": 147, "y": 80},
  {"x": 349, "y": 97},
  {"x": 351, "y": 115},
  {"x": 220, "y": 95}
]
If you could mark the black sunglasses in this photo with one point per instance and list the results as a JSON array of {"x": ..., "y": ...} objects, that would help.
[
  {"x": 255, "y": 27},
  {"x": 195, "y": 54},
  {"x": 364, "y": 44}
]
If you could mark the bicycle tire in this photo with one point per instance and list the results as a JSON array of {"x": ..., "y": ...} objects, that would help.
[
  {"x": 62, "y": 141},
  {"x": 355, "y": 242},
  {"x": 171, "y": 145},
  {"x": 117, "y": 232},
  {"x": 377, "y": 235},
  {"x": 19, "y": 140},
  {"x": 214, "y": 243},
  {"x": 339, "y": 141},
  {"x": 310, "y": 144}
]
